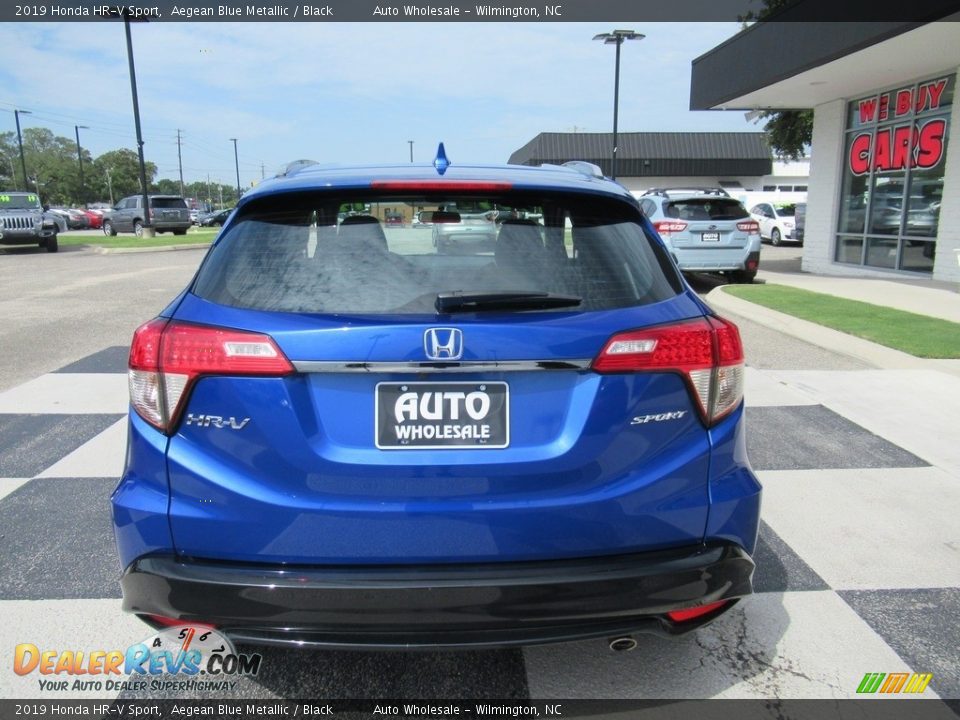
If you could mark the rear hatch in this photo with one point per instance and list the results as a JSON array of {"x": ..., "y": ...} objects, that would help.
[
  {"x": 171, "y": 210},
  {"x": 707, "y": 224},
  {"x": 415, "y": 407}
]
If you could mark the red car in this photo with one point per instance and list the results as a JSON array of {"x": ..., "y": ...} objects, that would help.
[{"x": 95, "y": 217}]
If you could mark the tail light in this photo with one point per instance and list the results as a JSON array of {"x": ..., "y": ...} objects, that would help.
[
  {"x": 668, "y": 227},
  {"x": 707, "y": 352},
  {"x": 166, "y": 358},
  {"x": 693, "y": 613},
  {"x": 751, "y": 227}
]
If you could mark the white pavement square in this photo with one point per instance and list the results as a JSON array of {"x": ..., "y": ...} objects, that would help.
[
  {"x": 103, "y": 456},
  {"x": 69, "y": 394},
  {"x": 869, "y": 528}
]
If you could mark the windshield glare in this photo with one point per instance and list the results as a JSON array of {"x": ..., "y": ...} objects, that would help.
[
  {"x": 19, "y": 202},
  {"x": 338, "y": 255}
]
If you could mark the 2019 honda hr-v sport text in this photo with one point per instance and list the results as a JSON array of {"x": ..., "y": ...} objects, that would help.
[{"x": 340, "y": 435}]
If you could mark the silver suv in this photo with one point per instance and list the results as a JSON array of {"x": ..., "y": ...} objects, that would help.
[
  {"x": 706, "y": 232},
  {"x": 22, "y": 221},
  {"x": 168, "y": 213}
]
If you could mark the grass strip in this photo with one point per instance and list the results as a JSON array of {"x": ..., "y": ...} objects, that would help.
[{"x": 919, "y": 335}]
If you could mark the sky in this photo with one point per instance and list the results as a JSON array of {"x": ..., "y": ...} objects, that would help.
[{"x": 346, "y": 92}]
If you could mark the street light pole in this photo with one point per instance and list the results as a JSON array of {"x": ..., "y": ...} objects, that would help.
[
  {"x": 410, "y": 142},
  {"x": 236, "y": 163},
  {"x": 23, "y": 162},
  {"x": 83, "y": 191},
  {"x": 616, "y": 38},
  {"x": 136, "y": 121}
]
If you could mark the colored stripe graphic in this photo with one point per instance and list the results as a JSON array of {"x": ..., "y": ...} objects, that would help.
[{"x": 894, "y": 683}]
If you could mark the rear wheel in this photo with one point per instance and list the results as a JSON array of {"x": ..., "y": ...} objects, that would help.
[
  {"x": 138, "y": 228},
  {"x": 179, "y": 232},
  {"x": 108, "y": 229},
  {"x": 743, "y": 276},
  {"x": 775, "y": 237},
  {"x": 52, "y": 244}
]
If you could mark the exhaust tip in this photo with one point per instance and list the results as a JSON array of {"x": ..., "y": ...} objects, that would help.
[{"x": 623, "y": 644}]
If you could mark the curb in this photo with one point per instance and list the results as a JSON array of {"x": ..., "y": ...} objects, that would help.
[
  {"x": 833, "y": 340},
  {"x": 100, "y": 250}
]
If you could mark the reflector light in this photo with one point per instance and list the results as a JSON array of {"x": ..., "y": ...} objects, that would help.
[
  {"x": 167, "y": 357},
  {"x": 693, "y": 613},
  {"x": 707, "y": 352}
]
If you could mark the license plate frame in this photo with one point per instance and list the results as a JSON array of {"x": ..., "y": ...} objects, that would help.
[
  {"x": 443, "y": 435},
  {"x": 710, "y": 237}
]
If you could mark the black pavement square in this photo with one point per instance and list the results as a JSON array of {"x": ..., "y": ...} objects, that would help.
[
  {"x": 56, "y": 540},
  {"x": 921, "y": 626},
  {"x": 29, "y": 444},
  {"x": 813, "y": 437},
  {"x": 109, "y": 360},
  {"x": 779, "y": 568}
]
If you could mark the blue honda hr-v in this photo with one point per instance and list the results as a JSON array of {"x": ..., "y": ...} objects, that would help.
[{"x": 341, "y": 436}]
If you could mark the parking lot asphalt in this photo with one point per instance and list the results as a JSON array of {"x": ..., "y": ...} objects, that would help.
[{"x": 858, "y": 560}]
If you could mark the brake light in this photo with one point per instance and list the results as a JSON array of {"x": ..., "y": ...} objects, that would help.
[
  {"x": 667, "y": 227},
  {"x": 166, "y": 358},
  {"x": 751, "y": 227},
  {"x": 451, "y": 185},
  {"x": 695, "y": 612},
  {"x": 707, "y": 352}
]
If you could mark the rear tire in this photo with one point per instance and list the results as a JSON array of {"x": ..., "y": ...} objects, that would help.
[
  {"x": 108, "y": 229},
  {"x": 775, "y": 238},
  {"x": 138, "y": 228},
  {"x": 179, "y": 232},
  {"x": 742, "y": 277},
  {"x": 52, "y": 244}
]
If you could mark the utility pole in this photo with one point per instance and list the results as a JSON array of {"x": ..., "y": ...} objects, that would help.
[
  {"x": 236, "y": 163},
  {"x": 263, "y": 171},
  {"x": 410, "y": 142},
  {"x": 23, "y": 162},
  {"x": 209, "y": 196},
  {"x": 147, "y": 224},
  {"x": 220, "y": 188},
  {"x": 180, "y": 162},
  {"x": 110, "y": 186},
  {"x": 617, "y": 38},
  {"x": 83, "y": 191}
]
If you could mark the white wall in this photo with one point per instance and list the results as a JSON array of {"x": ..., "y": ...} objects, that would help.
[
  {"x": 826, "y": 173},
  {"x": 946, "y": 265}
]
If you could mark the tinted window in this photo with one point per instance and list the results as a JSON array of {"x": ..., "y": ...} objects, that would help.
[
  {"x": 705, "y": 208},
  {"x": 168, "y": 203},
  {"x": 311, "y": 256}
]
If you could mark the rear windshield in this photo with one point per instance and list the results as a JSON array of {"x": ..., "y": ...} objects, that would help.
[
  {"x": 324, "y": 254},
  {"x": 19, "y": 202},
  {"x": 179, "y": 203},
  {"x": 706, "y": 208}
]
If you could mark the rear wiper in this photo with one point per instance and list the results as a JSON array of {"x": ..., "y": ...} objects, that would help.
[{"x": 448, "y": 302}]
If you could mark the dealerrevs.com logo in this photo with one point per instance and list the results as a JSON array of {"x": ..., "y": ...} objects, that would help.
[{"x": 183, "y": 657}]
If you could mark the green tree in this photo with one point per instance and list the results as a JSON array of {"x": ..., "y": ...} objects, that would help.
[
  {"x": 52, "y": 167},
  {"x": 789, "y": 132},
  {"x": 166, "y": 186},
  {"x": 118, "y": 171}
]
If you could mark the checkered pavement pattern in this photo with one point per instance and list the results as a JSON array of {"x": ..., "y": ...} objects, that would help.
[{"x": 858, "y": 563}]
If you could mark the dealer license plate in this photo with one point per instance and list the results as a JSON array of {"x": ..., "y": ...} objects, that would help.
[
  {"x": 425, "y": 415},
  {"x": 710, "y": 237}
]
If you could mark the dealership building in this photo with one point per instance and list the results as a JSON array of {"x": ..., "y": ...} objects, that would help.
[{"x": 884, "y": 184}]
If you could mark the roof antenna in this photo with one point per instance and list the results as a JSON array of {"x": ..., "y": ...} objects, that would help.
[{"x": 440, "y": 162}]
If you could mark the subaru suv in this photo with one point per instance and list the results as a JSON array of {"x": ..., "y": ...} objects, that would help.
[
  {"x": 340, "y": 435},
  {"x": 706, "y": 231}
]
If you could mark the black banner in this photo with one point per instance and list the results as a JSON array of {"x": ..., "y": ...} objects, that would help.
[
  {"x": 875, "y": 709},
  {"x": 636, "y": 11}
]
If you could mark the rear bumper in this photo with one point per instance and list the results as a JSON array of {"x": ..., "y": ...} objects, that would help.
[
  {"x": 714, "y": 259},
  {"x": 489, "y": 605}
]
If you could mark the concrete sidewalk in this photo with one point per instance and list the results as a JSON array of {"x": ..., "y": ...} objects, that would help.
[{"x": 918, "y": 296}]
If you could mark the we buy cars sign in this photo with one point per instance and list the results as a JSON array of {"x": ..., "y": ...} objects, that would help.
[{"x": 915, "y": 143}]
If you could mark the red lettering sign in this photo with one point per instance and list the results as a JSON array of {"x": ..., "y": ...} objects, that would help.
[
  {"x": 890, "y": 150},
  {"x": 928, "y": 97}
]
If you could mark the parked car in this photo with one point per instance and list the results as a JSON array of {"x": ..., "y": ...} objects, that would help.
[
  {"x": 800, "y": 221},
  {"x": 94, "y": 218},
  {"x": 338, "y": 436},
  {"x": 55, "y": 219},
  {"x": 169, "y": 213},
  {"x": 468, "y": 229},
  {"x": 777, "y": 222},
  {"x": 707, "y": 232},
  {"x": 23, "y": 221},
  {"x": 214, "y": 219}
]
